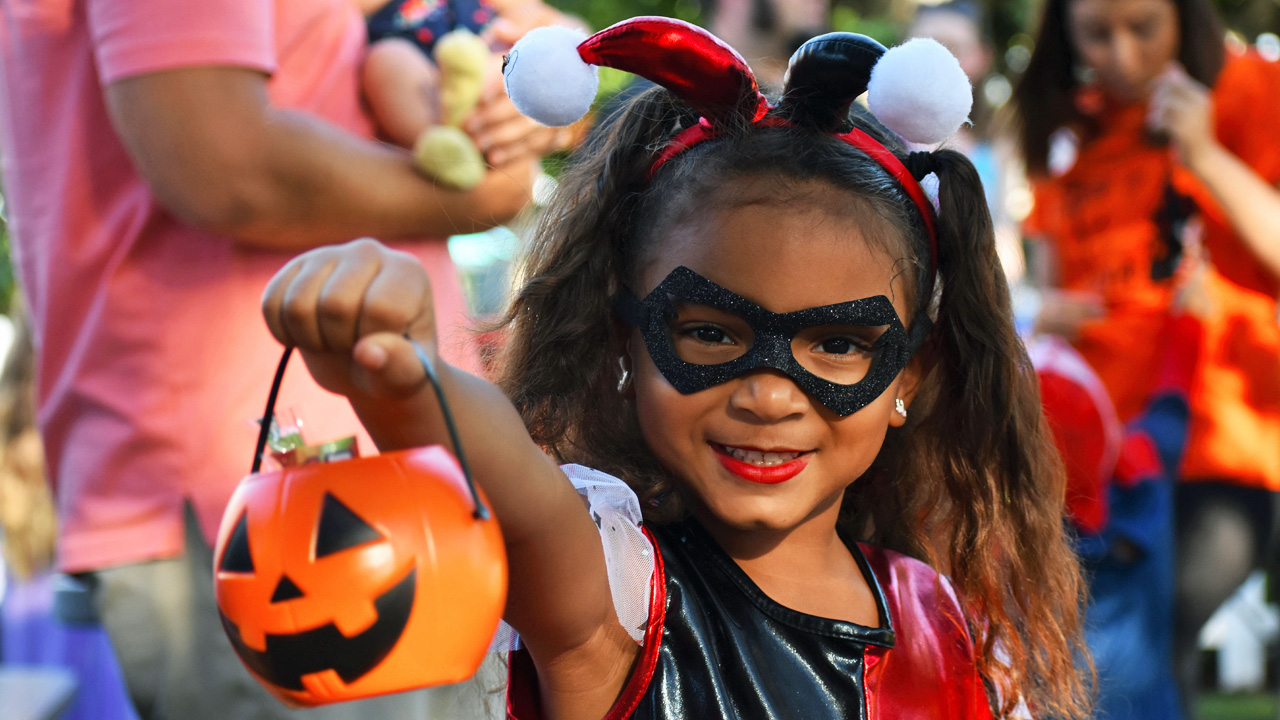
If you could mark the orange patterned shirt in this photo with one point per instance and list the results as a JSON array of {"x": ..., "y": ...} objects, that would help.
[{"x": 1100, "y": 219}]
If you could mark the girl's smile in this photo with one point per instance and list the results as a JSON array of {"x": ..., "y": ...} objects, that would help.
[{"x": 767, "y": 467}]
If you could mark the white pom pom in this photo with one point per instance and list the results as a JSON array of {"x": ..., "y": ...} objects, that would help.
[
  {"x": 918, "y": 90},
  {"x": 547, "y": 79}
]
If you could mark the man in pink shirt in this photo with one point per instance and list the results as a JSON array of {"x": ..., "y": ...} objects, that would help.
[{"x": 161, "y": 160}]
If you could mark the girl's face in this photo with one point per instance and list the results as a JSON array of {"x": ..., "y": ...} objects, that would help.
[
  {"x": 1126, "y": 43},
  {"x": 731, "y": 443}
]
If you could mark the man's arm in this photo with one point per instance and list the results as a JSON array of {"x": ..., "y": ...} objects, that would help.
[{"x": 220, "y": 157}]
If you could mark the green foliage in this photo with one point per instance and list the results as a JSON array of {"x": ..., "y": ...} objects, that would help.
[
  {"x": 7, "y": 285},
  {"x": 611, "y": 81},
  {"x": 846, "y": 19},
  {"x": 1237, "y": 706},
  {"x": 600, "y": 14}
]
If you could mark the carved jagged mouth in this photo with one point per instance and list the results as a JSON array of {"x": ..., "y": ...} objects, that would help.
[{"x": 289, "y": 657}]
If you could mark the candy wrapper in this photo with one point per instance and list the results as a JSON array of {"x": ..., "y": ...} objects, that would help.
[
  {"x": 332, "y": 451},
  {"x": 290, "y": 448}
]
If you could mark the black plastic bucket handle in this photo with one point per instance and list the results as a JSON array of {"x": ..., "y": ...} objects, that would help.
[{"x": 481, "y": 510}]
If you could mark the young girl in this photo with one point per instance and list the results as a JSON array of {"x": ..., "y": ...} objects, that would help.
[{"x": 763, "y": 328}]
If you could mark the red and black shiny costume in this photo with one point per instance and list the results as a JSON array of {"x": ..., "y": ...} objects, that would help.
[{"x": 717, "y": 647}]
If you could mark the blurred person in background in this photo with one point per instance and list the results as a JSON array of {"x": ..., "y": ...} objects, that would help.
[
  {"x": 28, "y": 522},
  {"x": 1120, "y": 486},
  {"x": 1147, "y": 141},
  {"x": 162, "y": 161},
  {"x": 961, "y": 27},
  {"x": 766, "y": 32},
  {"x": 30, "y": 637}
]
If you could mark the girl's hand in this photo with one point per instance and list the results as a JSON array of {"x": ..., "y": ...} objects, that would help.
[
  {"x": 1064, "y": 312},
  {"x": 1183, "y": 108},
  {"x": 348, "y": 309}
]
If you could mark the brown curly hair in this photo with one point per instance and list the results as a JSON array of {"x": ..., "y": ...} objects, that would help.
[{"x": 972, "y": 485}]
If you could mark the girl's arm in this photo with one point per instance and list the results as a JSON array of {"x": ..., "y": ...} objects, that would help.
[
  {"x": 348, "y": 309},
  {"x": 1184, "y": 108}
]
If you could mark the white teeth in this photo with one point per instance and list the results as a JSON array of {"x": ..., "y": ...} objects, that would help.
[{"x": 764, "y": 459}]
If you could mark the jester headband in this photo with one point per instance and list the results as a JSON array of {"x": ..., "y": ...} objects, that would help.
[{"x": 916, "y": 90}]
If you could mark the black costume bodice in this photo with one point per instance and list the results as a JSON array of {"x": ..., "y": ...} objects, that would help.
[
  {"x": 729, "y": 651},
  {"x": 717, "y": 647}
]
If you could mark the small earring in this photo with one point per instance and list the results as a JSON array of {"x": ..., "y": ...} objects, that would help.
[
  {"x": 624, "y": 378},
  {"x": 900, "y": 406}
]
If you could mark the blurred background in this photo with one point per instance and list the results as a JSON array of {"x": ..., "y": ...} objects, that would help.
[{"x": 1240, "y": 672}]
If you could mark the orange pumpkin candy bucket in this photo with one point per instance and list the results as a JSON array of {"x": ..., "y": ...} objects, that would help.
[{"x": 361, "y": 577}]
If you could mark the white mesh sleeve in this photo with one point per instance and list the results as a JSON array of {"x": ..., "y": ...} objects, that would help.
[{"x": 628, "y": 554}]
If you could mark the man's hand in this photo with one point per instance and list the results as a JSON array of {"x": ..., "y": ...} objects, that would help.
[{"x": 517, "y": 17}]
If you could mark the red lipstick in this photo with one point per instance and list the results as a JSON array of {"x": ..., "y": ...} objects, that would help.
[{"x": 765, "y": 475}]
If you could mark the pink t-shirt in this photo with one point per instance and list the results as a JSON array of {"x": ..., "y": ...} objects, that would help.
[{"x": 153, "y": 359}]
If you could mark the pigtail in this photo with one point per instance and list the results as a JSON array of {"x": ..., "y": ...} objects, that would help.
[
  {"x": 559, "y": 364},
  {"x": 996, "y": 519}
]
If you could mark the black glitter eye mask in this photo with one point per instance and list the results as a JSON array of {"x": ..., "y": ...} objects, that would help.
[{"x": 728, "y": 335}]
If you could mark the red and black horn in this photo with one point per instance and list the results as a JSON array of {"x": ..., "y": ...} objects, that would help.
[
  {"x": 708, "y": 75},
  {"x": 824, "y": 76}
]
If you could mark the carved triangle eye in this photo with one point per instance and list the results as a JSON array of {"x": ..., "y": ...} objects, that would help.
[
  {"x": 286, "y": 589},
  {"x": 236, "y": 556},
  {"x": 341, "y": 529}
]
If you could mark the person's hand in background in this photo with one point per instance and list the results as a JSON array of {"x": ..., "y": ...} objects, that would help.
[
  {"x": 1183, "y": 109},
  {"x": 517, "y": 17},
  {"x": 505, "y": 136},
  {"x": 1065, "y": 312}
]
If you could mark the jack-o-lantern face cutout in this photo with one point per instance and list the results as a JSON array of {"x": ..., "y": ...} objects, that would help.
[
  {"x": 289, "y": 657},
  {"x": 359, "y": 578}
]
